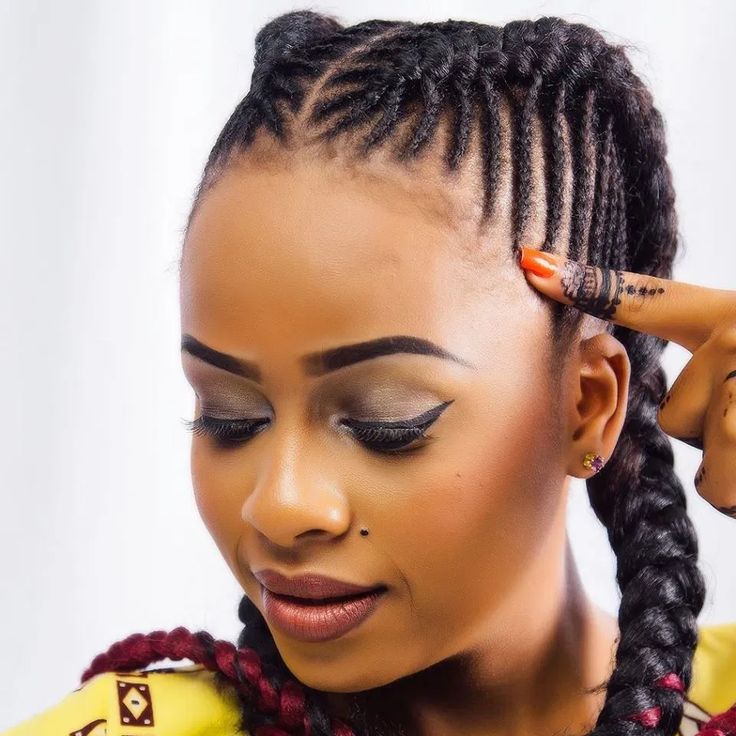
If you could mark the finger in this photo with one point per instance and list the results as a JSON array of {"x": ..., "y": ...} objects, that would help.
[
  {"x": 715, "y": 480},
  {"x": 683, "y": 409},
  {"x": 672, "y": 310}
]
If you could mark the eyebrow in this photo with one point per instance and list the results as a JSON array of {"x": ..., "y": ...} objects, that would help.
[{"x": 326, "y": 361}]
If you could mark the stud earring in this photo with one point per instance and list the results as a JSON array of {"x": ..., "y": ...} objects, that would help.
[
  {"x": 364, "y": 532},
  {"x": 593, "y": 461}
]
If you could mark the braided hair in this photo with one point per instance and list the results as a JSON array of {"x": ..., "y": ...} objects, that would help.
[{"x": 368, "y": 79}]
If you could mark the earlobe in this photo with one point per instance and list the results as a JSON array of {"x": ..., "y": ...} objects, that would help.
[{"x": 598, "y": 411}]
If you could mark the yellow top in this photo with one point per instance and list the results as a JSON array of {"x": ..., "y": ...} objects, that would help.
[{"x": 184, "y": 701}]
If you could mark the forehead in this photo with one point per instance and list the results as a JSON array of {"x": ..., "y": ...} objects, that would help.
[
  {"x": 316, "y": 253},
  {"x": 312, "y": 218}
]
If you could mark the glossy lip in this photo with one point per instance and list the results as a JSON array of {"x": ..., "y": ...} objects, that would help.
[
  {"x": 310, "y": 585},
  {"x": 321, "y": 621}
]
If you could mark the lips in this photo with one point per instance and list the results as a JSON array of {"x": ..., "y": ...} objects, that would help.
[
  {"x": 311, "y": 585},
  {"x": 316, "y": 608},
  {"x": 319, "y": 621}
]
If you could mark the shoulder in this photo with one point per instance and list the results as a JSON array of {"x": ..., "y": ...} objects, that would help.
[
  {"x": 110, "y": 703},
  {"x": 713, "y": 686}
]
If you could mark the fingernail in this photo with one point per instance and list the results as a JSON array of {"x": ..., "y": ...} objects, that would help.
[{"x": 538, "y": 262}]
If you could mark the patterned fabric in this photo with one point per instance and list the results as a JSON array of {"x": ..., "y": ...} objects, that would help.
[
  {"x": 169, "y": 701},
  {"x": 185, "y": 701}
]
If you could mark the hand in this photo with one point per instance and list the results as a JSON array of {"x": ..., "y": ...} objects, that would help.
[{"x": 700, "y": 407}]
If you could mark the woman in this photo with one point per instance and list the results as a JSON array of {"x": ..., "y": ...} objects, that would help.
[{"x": 381, "y": 398}]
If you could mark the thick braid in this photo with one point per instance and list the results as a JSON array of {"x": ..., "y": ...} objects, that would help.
[
  {"x": 637, "y": 495},
  {"x": 138, "y": 650},
  {"x": 369, "y": 78},
  {"x": 642, "y": 503},
  {"x": 241, "y": 667}
]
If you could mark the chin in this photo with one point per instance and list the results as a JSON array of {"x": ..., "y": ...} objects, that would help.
[{"x": 338, "y": 677}]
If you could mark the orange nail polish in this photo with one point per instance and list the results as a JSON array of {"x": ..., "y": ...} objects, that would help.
[{"x": 537, "y": 261}]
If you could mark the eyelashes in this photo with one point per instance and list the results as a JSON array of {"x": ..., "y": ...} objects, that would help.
[
  {"x": 382, "y": 437},
  {"x": 225, "y": 432},
  {"x": 394, "y": 436}
]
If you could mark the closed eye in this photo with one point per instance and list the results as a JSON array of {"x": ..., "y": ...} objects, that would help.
[
  {"x": 383, "y": 437},
  {"x": 390, "y": 437},
  {"x": 227, "y": 433}
]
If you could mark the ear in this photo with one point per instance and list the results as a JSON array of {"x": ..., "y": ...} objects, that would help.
[{"x": 600, "y": 394}]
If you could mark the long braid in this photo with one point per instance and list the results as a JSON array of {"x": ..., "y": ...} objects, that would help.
[
  {"x": 369, "y": 78},
  {"x": 648, "y": 527}
]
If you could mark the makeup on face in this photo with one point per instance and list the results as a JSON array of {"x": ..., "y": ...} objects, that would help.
[
  {"x": 326, "y": 361},
  {"x": 319, "y": 620},
  {"x": 288, "y": 305},
  {"x": 387, "y": 410}
]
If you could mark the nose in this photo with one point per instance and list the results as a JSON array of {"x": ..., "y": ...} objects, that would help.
[{"x": 296, "y": 496}]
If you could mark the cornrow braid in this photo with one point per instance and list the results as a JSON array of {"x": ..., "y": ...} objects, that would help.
[{"x": 367, "y": 79}]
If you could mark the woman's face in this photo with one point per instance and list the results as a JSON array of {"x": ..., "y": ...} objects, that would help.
[{"x": 467, "y": 524}]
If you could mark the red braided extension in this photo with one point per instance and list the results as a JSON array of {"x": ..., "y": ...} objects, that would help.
[
  {"x": 241, "y": 666},
  {"x": 650, "y": 717},
  {"x": 723, "y": 724}
]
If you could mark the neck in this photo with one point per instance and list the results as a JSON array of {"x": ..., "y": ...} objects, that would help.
[{"x": 544, "y": 674}]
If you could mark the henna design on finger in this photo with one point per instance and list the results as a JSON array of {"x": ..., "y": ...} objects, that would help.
[
  {"x": 643, "y": 290},
  {"x": 597, "y": 291},
  {"x": 580, "y": 284}
]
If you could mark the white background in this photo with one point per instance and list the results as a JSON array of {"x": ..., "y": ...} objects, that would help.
[{"x": 109, "y": 110}]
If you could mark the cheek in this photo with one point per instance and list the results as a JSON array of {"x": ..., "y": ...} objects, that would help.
[
  {"x": 475, "y": 523},
  {"x": 218, "y": 502}
]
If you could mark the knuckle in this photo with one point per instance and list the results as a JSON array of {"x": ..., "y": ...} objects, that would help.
[
  {"x": 665, "y": 421},
  {"x": 725, "y": 503},
  {"x": 727, "y": 430},
  {"x": 701, "y": 485},
  {"x": 724, "y": 338},
  {"x": 716, "y": 487}
]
